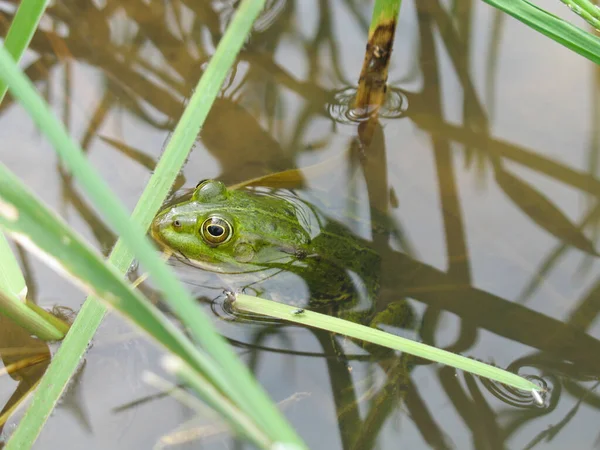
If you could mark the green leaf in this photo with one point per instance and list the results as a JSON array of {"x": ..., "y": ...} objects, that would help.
[
  {"x": 384, "y": 11},
  {"x": 242, "y": 388},
  {"x": 561, "y": 31},
  {"x": 17, "y": 39},
  {"x": 13, "y": 290},
  {"x": 21, "y": 31},
  {"x": 257, "y": 305},
  {"x": 43, "y": 233}
]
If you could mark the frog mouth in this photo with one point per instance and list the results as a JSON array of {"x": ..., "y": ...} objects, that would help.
[
  {"x": 226, "y": 269},
  {"x": 160, "y": 242},
  {"x": 202, "y": 264}
]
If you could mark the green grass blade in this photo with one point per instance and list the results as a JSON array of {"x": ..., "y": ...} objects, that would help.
[
  {"x": 39, "y": 230},
  {"x": 586, "y": 10},
  {"x": 12, "y": 282},
  {"x": 43, "y": 233},
  {"x": 22, "y": 315},
  {"x": 19, "y": 35},
  {"x": 257, "y": 305},
  {"x": 17, "y": 39},
  {"x": 21, "y": 31},
  {"x": 248, "y": 393},
  {"x": 576, "y": 39},
  {"x": 384, "y": 11}
]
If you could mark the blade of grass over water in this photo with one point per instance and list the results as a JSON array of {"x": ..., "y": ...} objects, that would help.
[
  {"x": 12, "y": 284},
  {"x": 28, "y": 221},
  {"x": 576, "y": 39},
  {"x": 21, "y": 31},
  {"x": 247, "y": 392},
  {"x": 257, "y": 305}
]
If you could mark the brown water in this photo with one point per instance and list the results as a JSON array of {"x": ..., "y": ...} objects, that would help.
[{"x": 488, "y": 166}]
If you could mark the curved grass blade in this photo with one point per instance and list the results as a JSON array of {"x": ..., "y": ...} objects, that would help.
[
  {"x": 13, "y": 289},
  {"x": 257, "y": 305},
  {"x": 576, "y": 39},
  {"x": 247, "y": 392},
  {"x": 46, "y": 235},
  {"x": 39, "y": 230},
  {"x": 542, "y": 211}
]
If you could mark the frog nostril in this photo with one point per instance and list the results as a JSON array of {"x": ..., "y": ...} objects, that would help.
[{"x": 177, "y": 224}]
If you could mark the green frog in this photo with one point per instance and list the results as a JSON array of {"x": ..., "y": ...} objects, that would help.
[{"x": 252, "y": 230}]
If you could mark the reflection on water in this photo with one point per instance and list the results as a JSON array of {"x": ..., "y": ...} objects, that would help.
[
  {"x": 25, "y": 360},
  {"x": 478, "y": 187}
]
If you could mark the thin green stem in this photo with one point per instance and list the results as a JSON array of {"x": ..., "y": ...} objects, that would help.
[{"x": 257, "y": 305}]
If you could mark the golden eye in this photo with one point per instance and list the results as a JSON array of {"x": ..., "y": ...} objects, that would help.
[{"x": 215, "y": 230}]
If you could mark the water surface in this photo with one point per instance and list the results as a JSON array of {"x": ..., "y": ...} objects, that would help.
[{"x": 487, "y": 161}]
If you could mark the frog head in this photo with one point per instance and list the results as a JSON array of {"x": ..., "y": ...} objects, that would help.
[{"x": 231, "y": 231}]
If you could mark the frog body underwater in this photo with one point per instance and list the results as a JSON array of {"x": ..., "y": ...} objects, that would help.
[{"x": 241, "y": 231}]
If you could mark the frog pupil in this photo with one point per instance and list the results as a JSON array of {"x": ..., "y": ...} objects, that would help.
[{"x": 215, "y": 230}]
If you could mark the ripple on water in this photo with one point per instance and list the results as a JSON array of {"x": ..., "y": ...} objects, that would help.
[
  {"x": 520, "y": 398},
  {"x": 341, "y": 110}
]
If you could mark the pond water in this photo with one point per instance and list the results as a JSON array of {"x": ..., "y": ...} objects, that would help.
[{"x": 486, "y": 158}]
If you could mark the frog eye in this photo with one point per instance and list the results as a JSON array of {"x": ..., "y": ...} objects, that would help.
[
  {"x": 215, "y": 230},
  {"x": 201, "y": 182}
]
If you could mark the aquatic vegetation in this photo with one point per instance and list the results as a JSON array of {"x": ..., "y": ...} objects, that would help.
[{"x": 137, "y": 80}]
